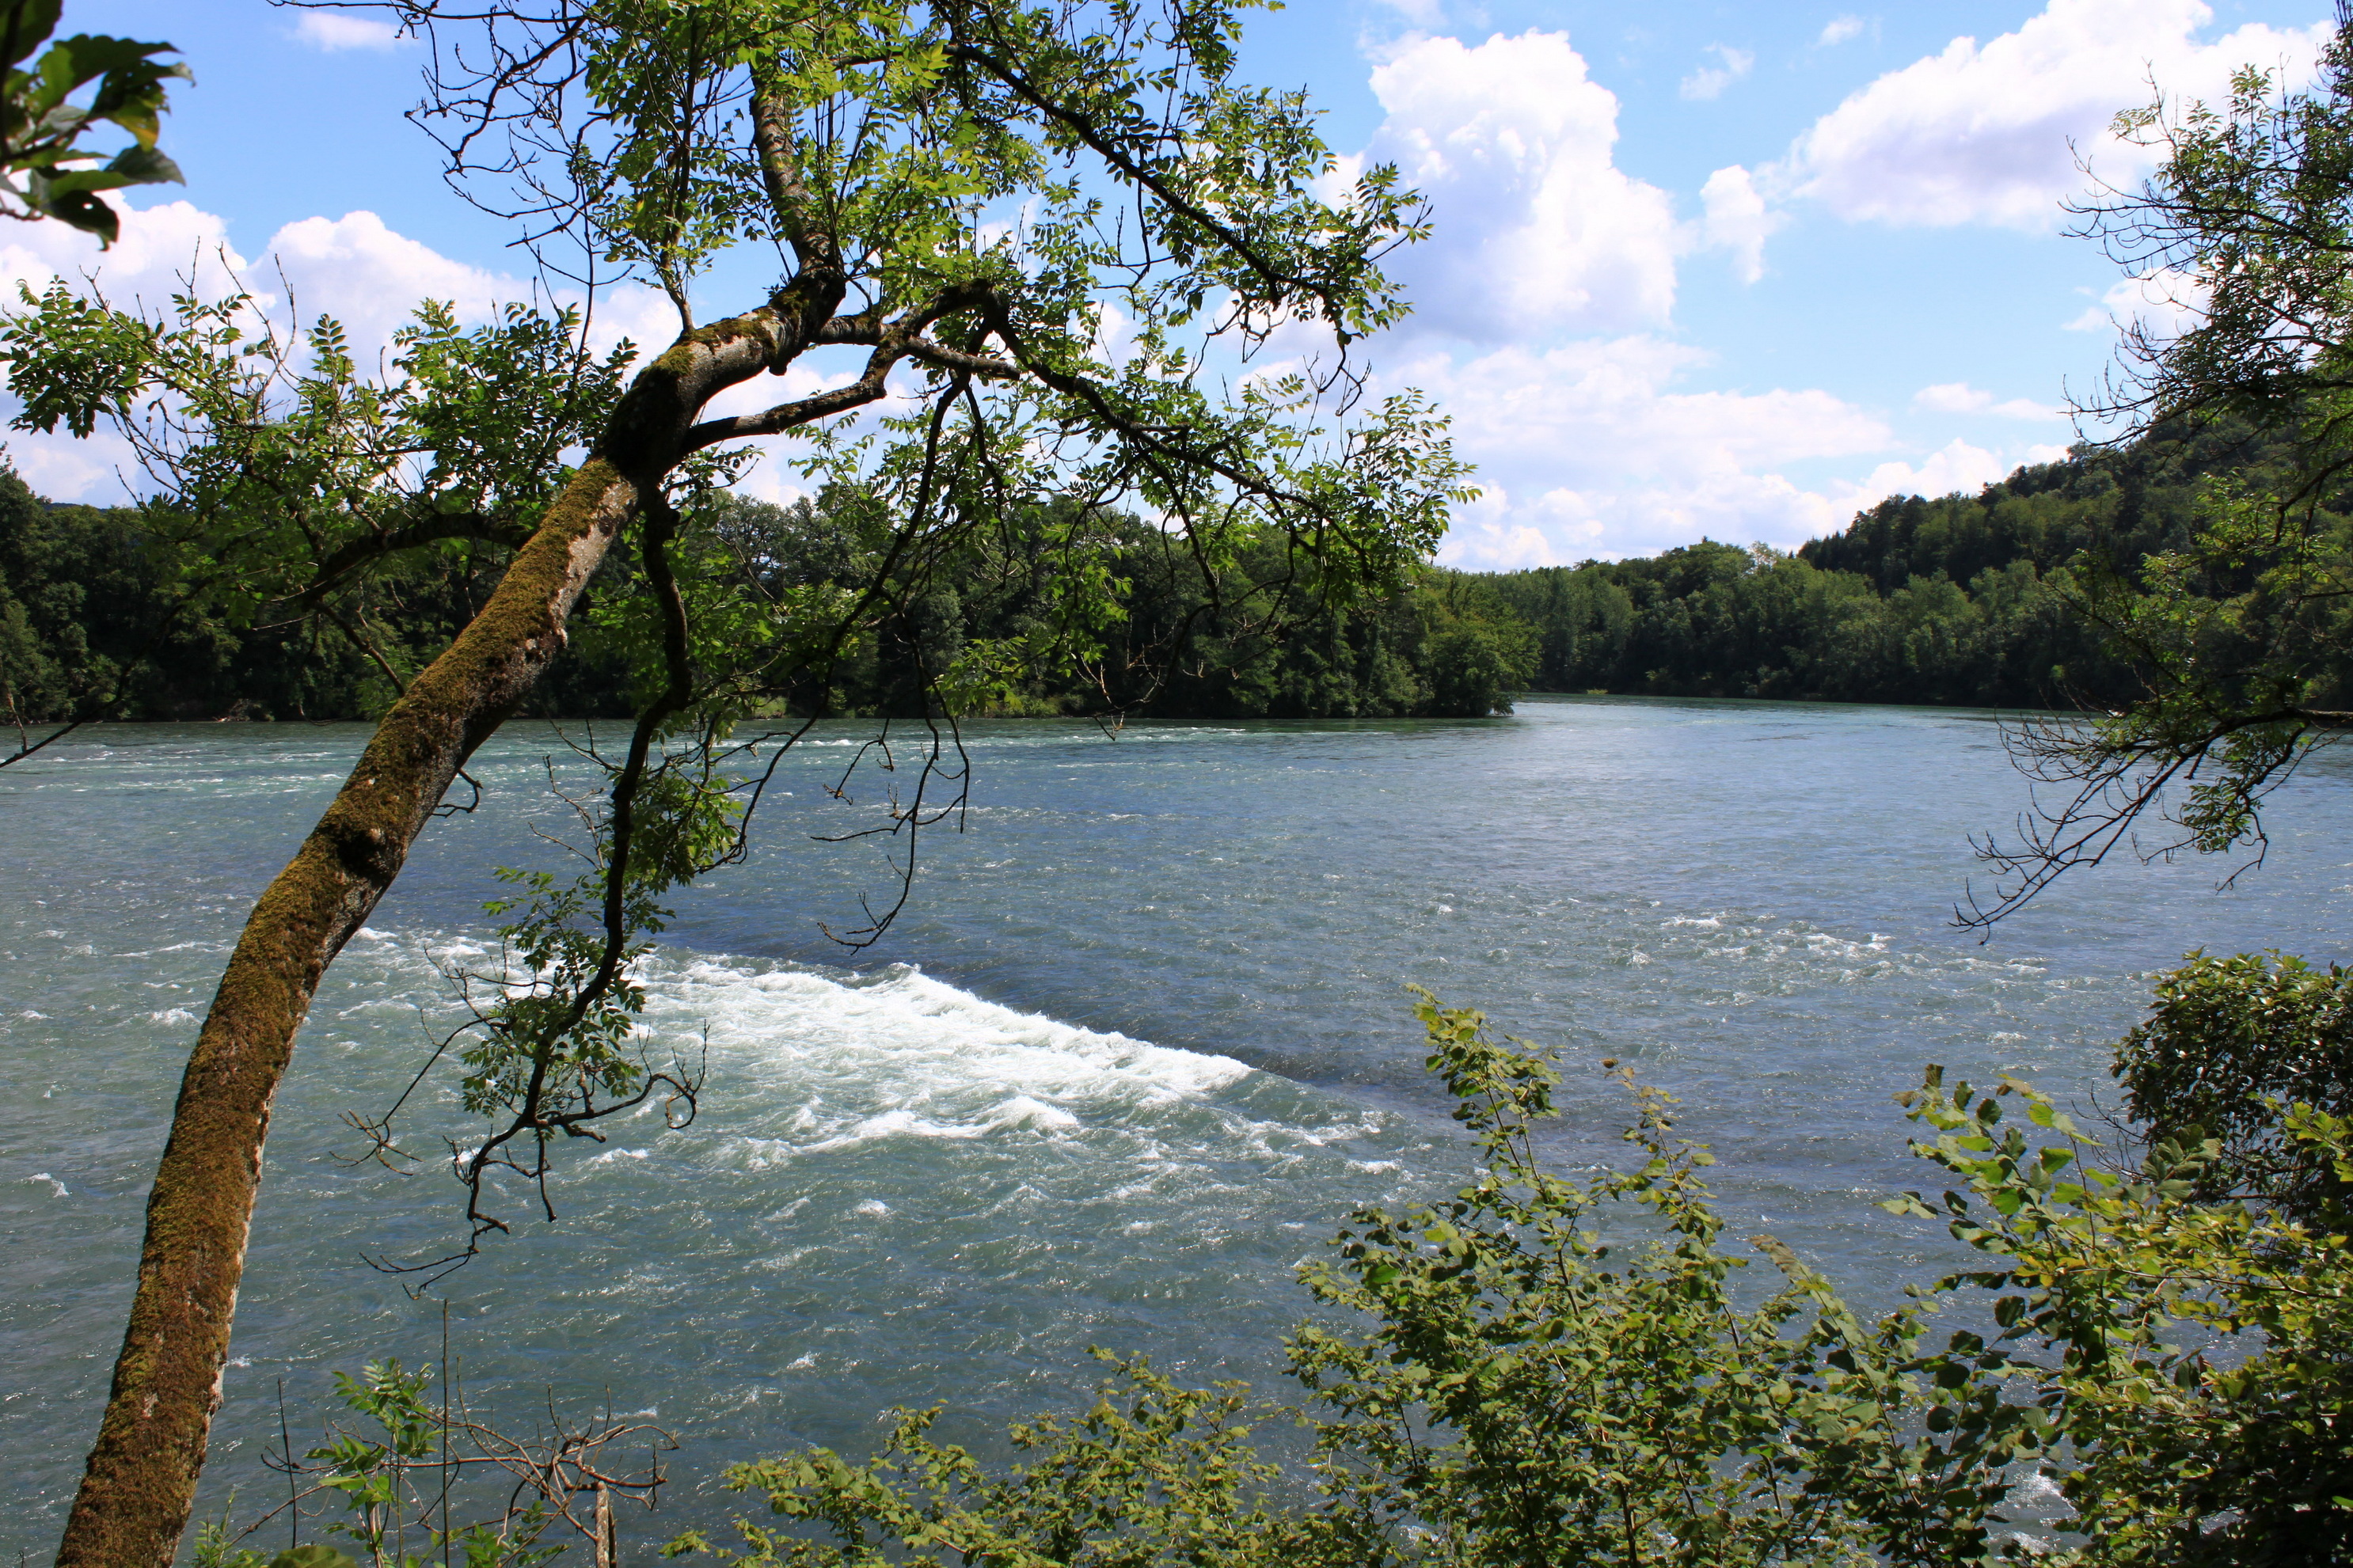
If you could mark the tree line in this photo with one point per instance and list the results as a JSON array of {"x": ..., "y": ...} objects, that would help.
[
  {"x": 1983, "y": 599},
  {"x": 103, "y": 615},
  {"x": 1971, "y": 600}
]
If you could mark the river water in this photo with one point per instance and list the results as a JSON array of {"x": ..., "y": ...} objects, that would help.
[{"x": 1137, "y": 1045}]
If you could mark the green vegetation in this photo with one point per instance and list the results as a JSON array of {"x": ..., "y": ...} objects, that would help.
[
  {"x": 963, "y": 199},
  {"x": 1990, "y": 599},
  {"x": 1539, "y": 1371},
  {"x": 101, "y": 616},
  {"x": 41, "y": 128},
  {"x": 1966, "y": 600},
  {"x": 1535, "y": 1370},
  {"x": 2237, "y": 628},
  {"x": 2145, "y": 1364}
]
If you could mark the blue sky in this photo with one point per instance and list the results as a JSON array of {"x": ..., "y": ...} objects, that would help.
[{"x": 1717, "y": 270}]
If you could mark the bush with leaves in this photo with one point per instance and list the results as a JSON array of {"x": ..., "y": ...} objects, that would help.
[
  {"x": 422, "y": 1470},
  {"x": 2230, "y": 1042},
  {"x": 1538, "y": 1371},
  {"x": 41, "y": 128}
]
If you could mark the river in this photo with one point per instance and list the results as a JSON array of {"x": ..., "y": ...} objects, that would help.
[{"x": 1138, "y": 1043}]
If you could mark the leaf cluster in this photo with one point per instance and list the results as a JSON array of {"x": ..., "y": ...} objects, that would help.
[
  {"x": 2239, "y": 638},
  {"x": 2230, "y": 1041},
  {"x": 405, "y": 1476},
  {"x": 284, "y": 482},
  {"x": 41, "y": 127}
]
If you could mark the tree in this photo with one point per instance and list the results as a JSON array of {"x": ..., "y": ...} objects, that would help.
[
  {"x": 1034, "y": 231},
  {"x": 2239, "y": 638},
  {"x": 2229, "y": 1042},
  {"x": 286, "y": 493}
]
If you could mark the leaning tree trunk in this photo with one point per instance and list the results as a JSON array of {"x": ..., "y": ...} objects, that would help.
[{"x": 139, "y": 1487}]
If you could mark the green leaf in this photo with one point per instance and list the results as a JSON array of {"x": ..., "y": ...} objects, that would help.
[
  {"x": 145, "y": 166},
  {"x": 28, "y": 23}
]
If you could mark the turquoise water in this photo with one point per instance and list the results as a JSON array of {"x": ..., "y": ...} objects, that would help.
[{"x": 1137, "y": 1046}]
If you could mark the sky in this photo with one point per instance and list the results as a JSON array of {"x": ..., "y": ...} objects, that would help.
[{"x": 1720, "y": 270}]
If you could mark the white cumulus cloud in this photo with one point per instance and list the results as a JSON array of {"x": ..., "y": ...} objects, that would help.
[
  {"x": 1737, "y": 220},
  {"x": 1709, "y": 82},
  {"x": 1956, "y": 468},
  {"x": 1990, "y": 133},
  {"x": 2163, "y": 302},
  {"x": 159, "y": 246},
  {"x": 1537, "y": 229},
  {"x": 335, "y": 31},
  {"x": 1960, "y": 398},
  {"x": 1839, "y": 31},
  {"x": 355, "y": 268},
  {"x": 1591, "y": 447},
  {"x": 370, "y": 277}
]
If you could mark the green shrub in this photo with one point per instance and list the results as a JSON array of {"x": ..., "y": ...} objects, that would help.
[
  {"x": 2229, "y": 1043},
  {"x": 1540, "y": 1370}
]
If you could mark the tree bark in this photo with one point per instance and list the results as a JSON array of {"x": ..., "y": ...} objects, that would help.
[{"x": 140, "y": 1485}]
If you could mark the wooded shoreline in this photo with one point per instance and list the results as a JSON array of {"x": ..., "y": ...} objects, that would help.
[{"x": 1956, "y": 601}]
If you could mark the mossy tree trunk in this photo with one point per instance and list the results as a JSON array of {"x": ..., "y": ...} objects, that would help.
[{"x": 139, "y": 1486}]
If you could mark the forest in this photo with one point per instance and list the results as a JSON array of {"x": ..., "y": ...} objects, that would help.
[{"x": 1965, "y": 600}]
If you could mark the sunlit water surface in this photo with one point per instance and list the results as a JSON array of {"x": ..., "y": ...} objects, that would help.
[{"x": 1137, "y": 1046}]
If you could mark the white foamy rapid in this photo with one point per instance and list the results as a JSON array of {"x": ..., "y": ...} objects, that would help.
[{"x": 898, "y": 1054}]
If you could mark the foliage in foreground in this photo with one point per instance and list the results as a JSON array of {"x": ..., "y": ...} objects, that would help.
[
  {"x": 420, "y": 1470},
  {"x": 1541, "y": 1371},
  {"x": 2236, "y": 632},
  {"x": 41, "y": 128}
]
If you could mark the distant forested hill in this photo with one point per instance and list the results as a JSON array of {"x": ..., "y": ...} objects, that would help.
[{"x": 1963, "y": 599}]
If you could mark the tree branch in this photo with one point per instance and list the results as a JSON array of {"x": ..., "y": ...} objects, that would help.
[{"x": 352, "y": 554}]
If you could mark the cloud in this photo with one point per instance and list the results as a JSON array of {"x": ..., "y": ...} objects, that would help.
[
  {"x": 1990, "y": 134},
  {"x": 1537, "y": 230},
  {"x": 1960, "y": 398},
  {"x": 2163, "y": 302},
  {"x": 159, "y": 248},
  {"x": 1956, "y": 468},
  {"x": 354, "y": 267},
  {"x": 369, "y": 278},
  {"x": 1736, "y": 220},
  {"x": 335, "y": 31},
  {"x": 102, "y": 470},
  {"x": 1592, "y": 449},
  {"x": 1709, "y": 82},
  {"x": 1840, "y": 30}
]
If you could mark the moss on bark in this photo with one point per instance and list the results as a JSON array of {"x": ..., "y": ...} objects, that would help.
[{"x": 139, "y": 1487}]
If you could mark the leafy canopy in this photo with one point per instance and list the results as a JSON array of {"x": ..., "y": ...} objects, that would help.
[{"x": 1053, "y": 238}]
